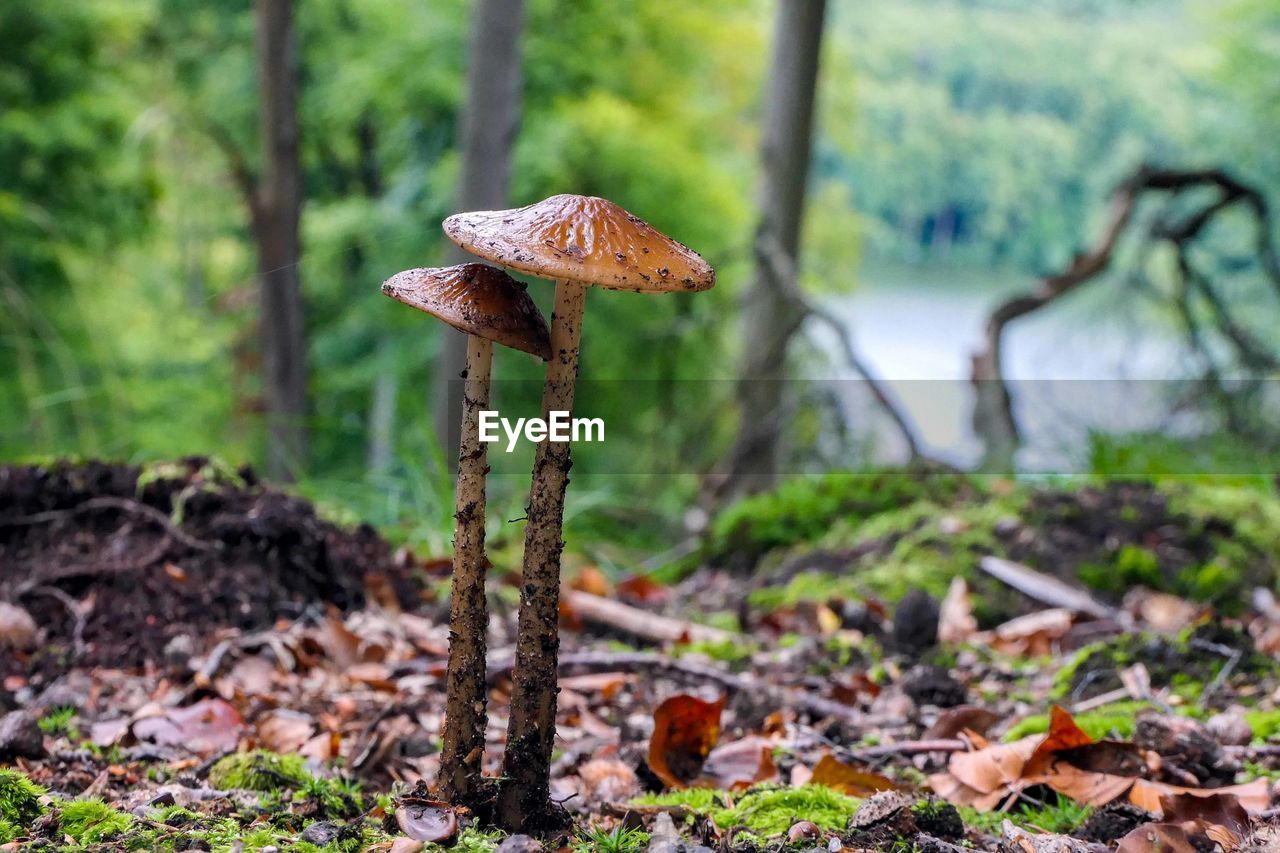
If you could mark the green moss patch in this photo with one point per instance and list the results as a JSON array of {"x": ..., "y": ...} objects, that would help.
[
  {"x": 260, "y": 770},
  {"x": 91, "y": 821},
  {"x": 19, "y": 799},
  {"x": 1117, "y": 720},
  {"x": 769, "y": 812}
]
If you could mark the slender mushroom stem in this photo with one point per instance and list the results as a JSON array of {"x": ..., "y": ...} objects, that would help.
[
  {"x": 462, "y": 747},
  {"x": 524, "y": 795}
]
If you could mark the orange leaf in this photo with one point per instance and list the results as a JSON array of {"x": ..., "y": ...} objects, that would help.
[
  {"x": 642, "y": 589},
  {"x": 685, "y": 728},
  {"x": 834, "y": 773},
  {"x": 593, "y": 581},
  {"x": 1157, "y": 838},
  {"x": 996, "y": 767},
  {"x": 1255, "y": 796}
]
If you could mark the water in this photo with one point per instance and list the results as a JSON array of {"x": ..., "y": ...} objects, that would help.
[{"x": 1095, "y": 360}]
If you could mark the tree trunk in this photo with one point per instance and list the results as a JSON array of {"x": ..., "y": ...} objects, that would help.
[
  {"x": 490, "y": 119},
  {"x": 524, "y": 802},
  {"x": 276, "y": 214},
  {"x": 769, "y": 316},
  {"x": 465, "y": 718}
]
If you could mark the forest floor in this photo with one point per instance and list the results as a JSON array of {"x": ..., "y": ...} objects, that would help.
[{"x": 907, "y": 661}]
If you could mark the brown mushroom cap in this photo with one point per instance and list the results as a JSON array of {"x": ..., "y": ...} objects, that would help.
[
  {"x": 477, "y": 299},
  {"x": 584, "y": 239}
]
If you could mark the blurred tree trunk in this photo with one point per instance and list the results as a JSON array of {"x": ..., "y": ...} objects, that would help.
[
  {"x": 277, "y": 207},
  {"x": 770, "y": 316},
  {"x": 490, "y": 120}
]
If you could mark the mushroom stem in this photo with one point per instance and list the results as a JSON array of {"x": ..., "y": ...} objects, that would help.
[
  {"x": 462, "y": 747},
  {"x": 524, "y": 795}
]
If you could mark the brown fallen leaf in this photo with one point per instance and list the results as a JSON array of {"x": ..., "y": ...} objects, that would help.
[
  {"x": 956, "y": 623},
  {"x": 282, "y": 730},
  {"x": 741, "y": 764},
  {"x": 953, "y": 721},
  {"x": 1220, "y": 817},
  {"x": 1157, "y": 838},
  {"x": 1254, "y": 796},
  {"x": 591, "y": 579},
  {"x": 685, "y": 728},
  {"x": 210, "y": 725},
  {"x": 834, "y": 773},
  {"x": 642, "y": 589},
  {"x": 1033, "y": 635}
]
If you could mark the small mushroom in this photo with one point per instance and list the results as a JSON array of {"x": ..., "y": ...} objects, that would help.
[
  {"x": 577, "y": 241},
  {"x": 490, "y": 306}
]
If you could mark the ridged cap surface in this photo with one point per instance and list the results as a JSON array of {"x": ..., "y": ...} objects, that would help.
[
  {"x": 584, "y": 239},
  {"x": 477, "y": 299}
]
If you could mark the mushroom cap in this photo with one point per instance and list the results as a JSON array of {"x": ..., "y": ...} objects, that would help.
[
  {"x": 584, "y": 239},
  {"x": 477, "y": 299}
]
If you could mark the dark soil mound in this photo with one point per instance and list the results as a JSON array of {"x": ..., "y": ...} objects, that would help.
[{"x": 113, "y": 561}]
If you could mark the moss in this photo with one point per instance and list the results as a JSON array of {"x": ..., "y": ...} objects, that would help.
[
  {"x": 19, "y": 798},
  {"x": 1131, "y": 566},
  {"x": 703, "y": 800},
  {"x": 770, "y": 811},
  {"x": 1115, "y": 720},
  {"x": 938, "y": 818},
  {"x": 726, "y": 651},
  {"x": 260, "y": 770},
  {"x": 90, "y": 821},
  {"x": 1265, "y": 724},
  {"x": 1187, "y": 660},
  {"x": 803, "y": 509},
  {"x": 9, "y": 831}
]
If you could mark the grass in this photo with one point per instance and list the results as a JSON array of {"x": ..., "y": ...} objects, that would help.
[
  {"x": 90, "y": 821},
  {"x": 60, "y": 722},
  {"x": 619, "y": 840},
  {"x": 1061, "y": 816}
]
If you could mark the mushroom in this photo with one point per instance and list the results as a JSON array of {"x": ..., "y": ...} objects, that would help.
[
  {"x": 576, "y": 241},
  {"x": 489, "y": 306}
]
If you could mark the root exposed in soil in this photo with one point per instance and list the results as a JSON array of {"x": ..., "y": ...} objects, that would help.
[{"x": 114, "y": 561}]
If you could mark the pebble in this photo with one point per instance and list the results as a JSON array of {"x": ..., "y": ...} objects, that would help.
[
  {"x": 17, "y": 628},
  {"x": 520, "y": 844},
  {"x": 20, "y": 736},
  {"x": 321, "y": 832}
]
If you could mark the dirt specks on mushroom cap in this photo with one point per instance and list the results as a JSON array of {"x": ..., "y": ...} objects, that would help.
[
  {"x": 585, "y": 239},
  {"x": 477, "y": 299}
]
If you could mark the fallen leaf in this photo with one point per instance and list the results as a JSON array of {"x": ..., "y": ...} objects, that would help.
[
  {"x": 740, "y": 764},
  {"x": 1157, "y": 838},
  {"x": 642, "y": 589},
  {"x": 592, "y": 580},
  {"x": 953, "y": 721},
  {"x": 1033, "y": 635},
  {"x": 956, "y": 623},
  {"x": 1219, "y": 816},
  {"x": 685, "y": 728},
  {"x": 1161, "y": 611},
  {"x": 427, "y": 820},
  {"x": 834, "y": 773},
  {"x": 210, "y": 725},
  {"x": 608, "y": 781},
  {"x": 1254, "y": 796},
  {"x": 282, "y": 730}
]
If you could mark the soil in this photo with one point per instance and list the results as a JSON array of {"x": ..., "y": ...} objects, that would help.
[{"x": 186, "y": 548}]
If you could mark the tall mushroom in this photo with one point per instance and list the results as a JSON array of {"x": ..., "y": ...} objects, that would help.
[
  {"x": 490, "y": 306},
  {"x": 576, "y": 241}
]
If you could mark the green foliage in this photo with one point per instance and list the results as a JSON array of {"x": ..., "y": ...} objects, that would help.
[
  {"x": 263, "y": 771},
  {"x": 59, "y": 722},
  {"x": 91, "y": 821},
  {"x": 620, "y": 839},
  {"x": 1265, "y": 723},
  {"x": 9, "y": 831},
  {"x": 803, "y": 509},
  {"x": 770, "y": 812},
  {"x": 19, "y": 798},
  {"x": 1062, "y": 816},
  {"x": 702, "y": 800}
]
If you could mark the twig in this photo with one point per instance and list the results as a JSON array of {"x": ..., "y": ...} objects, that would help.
[
  {"x": 641, "y": 623},
  {"x": 1045, "y": 589},
  {"x": 907, "y": 747},
  {"x": 800, "y": 701}
]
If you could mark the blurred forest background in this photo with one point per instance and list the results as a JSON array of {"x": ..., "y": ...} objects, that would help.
[{"x": 962, "y": 150}]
